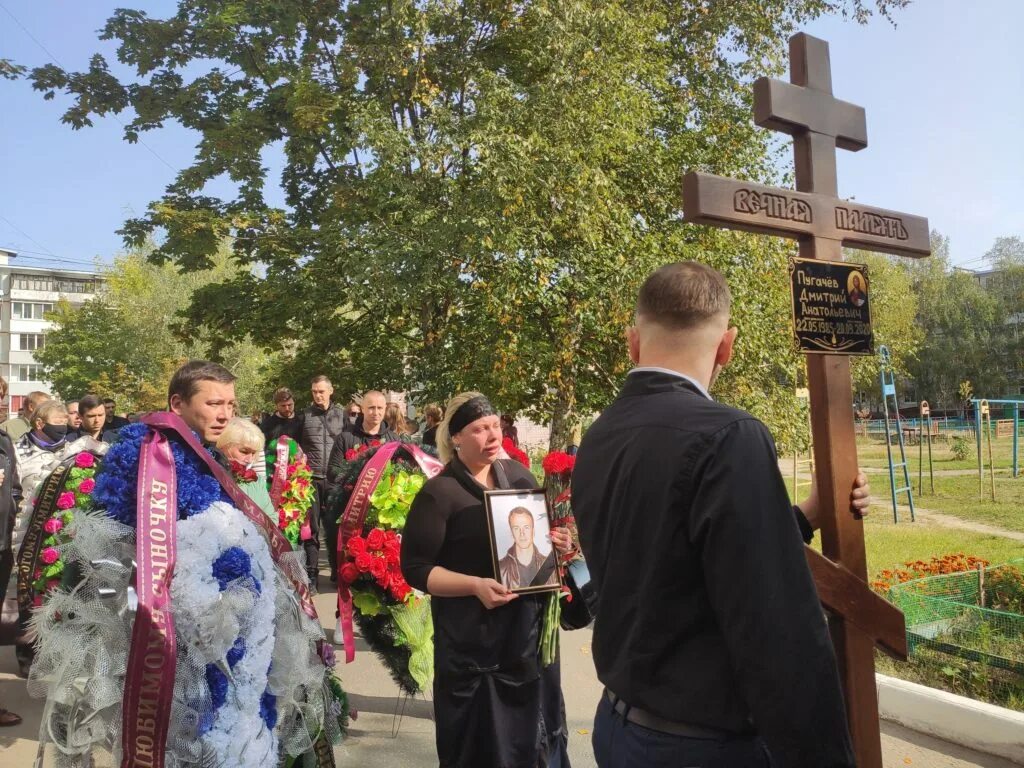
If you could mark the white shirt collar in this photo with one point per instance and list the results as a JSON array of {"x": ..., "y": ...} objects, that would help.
[{"x": 670, "y": 372}]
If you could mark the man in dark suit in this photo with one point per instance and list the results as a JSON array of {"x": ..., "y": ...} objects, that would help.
[{"x": 708, "y": 629}]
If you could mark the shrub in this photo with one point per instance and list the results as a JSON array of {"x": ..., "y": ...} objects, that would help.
[{"x": 961, "y": 448}]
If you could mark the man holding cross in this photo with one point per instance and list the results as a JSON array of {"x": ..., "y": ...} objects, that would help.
[{"x": 709, "y": 635}]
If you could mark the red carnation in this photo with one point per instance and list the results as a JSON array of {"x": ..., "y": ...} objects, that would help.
[
  {"x": 375, "y": 539},
  {"x": 514, "y": 453},
  {"x": 364, "y": 561},
  {"x": 356, "y": 545},
  {"x": 351, "y": 454},
  {"x": 379, "y": 569},
  {"x": 349, "y": 573},
  {"x": 558, "y": 463},
  {"x": 393, "y": 550}
]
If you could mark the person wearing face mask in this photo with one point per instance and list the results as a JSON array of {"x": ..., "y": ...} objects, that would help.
[
  {"x": 241, "y": 443},
  {"x": 42, "y": 448},
  {"x": 685, "y": 493},
  {"x": 495, "y": 704}
]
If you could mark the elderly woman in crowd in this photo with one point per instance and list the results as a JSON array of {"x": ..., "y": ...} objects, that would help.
[
  {"x": 494, "y": 702},
  {"x": 242, "y": 444}
]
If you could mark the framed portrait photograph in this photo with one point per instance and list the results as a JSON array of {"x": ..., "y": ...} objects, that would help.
[{"x": 519, "y": 523}]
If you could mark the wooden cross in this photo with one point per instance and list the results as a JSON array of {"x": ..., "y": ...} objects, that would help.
[{"x": 822, "y": 224}]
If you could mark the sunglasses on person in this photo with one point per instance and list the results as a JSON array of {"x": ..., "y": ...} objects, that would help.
[{"x": 353, "y": 414}]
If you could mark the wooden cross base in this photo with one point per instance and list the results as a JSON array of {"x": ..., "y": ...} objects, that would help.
[{"x": 822, "y": 224}]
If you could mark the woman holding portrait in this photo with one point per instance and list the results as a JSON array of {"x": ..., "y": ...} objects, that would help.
[{"x": 495, "y": 704}]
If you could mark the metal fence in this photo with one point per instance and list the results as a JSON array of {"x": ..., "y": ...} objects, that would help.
[{"x": 969, "y": 626}]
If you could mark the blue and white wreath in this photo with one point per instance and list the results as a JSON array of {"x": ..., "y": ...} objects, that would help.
[
  {"x": 223, "y": 595},
  {"x": 249, "y": 684}
]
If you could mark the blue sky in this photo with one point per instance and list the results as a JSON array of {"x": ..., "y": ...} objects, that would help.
[{"x": 943, "y": 90}]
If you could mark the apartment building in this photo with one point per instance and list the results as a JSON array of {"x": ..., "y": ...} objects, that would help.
[{"x": 27, "y": 294}]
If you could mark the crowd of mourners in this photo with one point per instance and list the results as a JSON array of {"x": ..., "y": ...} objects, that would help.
[{"x": 46, "y": 431}]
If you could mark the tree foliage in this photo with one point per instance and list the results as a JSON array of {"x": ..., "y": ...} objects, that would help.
[
  {"x": 473, "y": 190},
  {"x": 962, "y": 325},
  {"x": 124, "y": 343}
]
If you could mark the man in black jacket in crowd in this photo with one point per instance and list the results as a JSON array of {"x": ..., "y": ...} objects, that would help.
[
  {"x": 283, "y": 421},
  {"x": 369, "y": 426},
  {"x": 322, "y": 422},
  {"x": 682, "y": 513}
]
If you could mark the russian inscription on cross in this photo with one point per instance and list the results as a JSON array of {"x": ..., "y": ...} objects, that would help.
[{"x": 822, "y": 224}]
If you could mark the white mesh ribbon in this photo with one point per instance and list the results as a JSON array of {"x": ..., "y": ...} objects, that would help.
[{"x": 84, "y": 641}]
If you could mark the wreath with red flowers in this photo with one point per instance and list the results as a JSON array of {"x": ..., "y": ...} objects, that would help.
[
  {"x": 392, "y": 618},
  {"x": 296, "y": 497},
  {"x": 75, "y": 495}
]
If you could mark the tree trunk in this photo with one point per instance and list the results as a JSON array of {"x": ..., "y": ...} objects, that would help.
[{"x": 564, "y": 419}]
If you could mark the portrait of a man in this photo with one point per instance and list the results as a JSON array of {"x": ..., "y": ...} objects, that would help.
[
  {"x": 521, "y": 548},
  {"x": 857, "y": 288},
  {"x": 524, "y": 565}
]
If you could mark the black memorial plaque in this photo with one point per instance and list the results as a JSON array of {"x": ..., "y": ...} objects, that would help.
[{"x": 831, "y": 307}]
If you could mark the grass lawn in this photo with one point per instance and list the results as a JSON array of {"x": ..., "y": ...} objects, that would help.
[
  {"x": 871, "y": 453},
  {"x": 889, "y": 544},
  {"x": 958, "y": 495}
]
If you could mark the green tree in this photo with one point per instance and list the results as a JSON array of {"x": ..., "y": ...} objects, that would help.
[
  {"x": 473, "y": 190},
  {"x": 962, "y": 325},
  {"x": 124, "y": 343},
  {"x": 894, "y": 320}
]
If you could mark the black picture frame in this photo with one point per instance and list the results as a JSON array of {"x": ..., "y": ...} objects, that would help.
[{"x": 499, "y": 505}]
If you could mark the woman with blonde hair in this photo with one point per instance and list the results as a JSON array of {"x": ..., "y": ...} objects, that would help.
[
  {"x": 495, "y": 704},
  {"x": 395, "y": 419},
  {"x": 241, "y": 444}
]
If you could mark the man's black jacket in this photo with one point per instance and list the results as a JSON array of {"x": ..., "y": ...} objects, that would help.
[
  {"x": 320, "y": 427},
  {"x": 273, "y": 426},
  {"x": 707, "y": 613},
  {"x": 10, "y": 495},
  {"x": 349, "y": 439}
]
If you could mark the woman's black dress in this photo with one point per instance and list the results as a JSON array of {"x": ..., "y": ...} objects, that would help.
[{"x": 495, "y": 705}]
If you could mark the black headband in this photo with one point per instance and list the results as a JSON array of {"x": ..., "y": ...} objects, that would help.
[{"x": 468, "y": 412}]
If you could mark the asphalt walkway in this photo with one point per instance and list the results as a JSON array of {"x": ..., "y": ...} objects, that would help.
[{"x": 380, "y": 739}]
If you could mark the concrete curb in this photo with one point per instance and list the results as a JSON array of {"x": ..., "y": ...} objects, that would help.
[{"x": 972, "y": 724}]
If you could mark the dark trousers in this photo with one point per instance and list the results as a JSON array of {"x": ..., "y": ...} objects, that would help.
[
  {"x": 621, "y": 744},
  {"x": 328, "y": 524},
  {"x": 311, "y": 546}
]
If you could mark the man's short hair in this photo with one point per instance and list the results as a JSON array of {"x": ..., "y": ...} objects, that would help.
[
  {"x": 373, "y": 393},
  {"x": 321, "y": 379},
  {"x": 283, "y": 395},
  {"x": 520, "y": 511},
  {"x": 89, "y": 403},
  {"x": 683, "y": 296},
  {"x": 185, "y": 381},
  {"x": 109, "y": 401}
]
